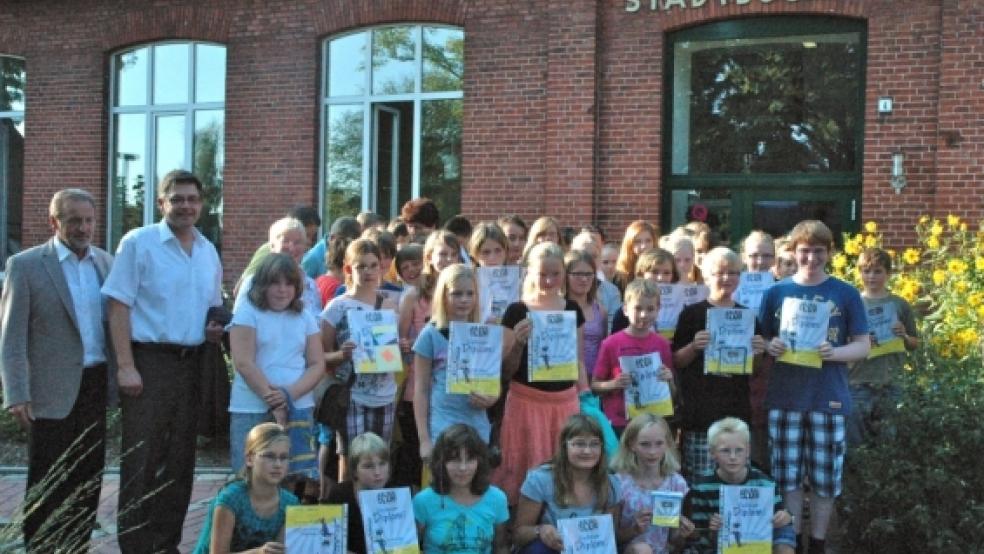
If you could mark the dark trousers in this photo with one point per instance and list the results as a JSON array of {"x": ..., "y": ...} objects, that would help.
[
  {"x": 64, "y": 473},
  {"x": 158, "y": 459}
]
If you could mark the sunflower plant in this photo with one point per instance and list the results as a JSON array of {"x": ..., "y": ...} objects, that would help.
[{"x": 942, "y": 276}]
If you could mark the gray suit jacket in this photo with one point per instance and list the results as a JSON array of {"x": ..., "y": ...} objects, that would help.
[{"x": 40, "y": 344}]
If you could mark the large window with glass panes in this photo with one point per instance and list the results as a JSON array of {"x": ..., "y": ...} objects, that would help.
[{"x": 13, "y": 79}]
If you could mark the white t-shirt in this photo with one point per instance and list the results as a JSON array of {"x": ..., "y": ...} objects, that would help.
[
  {"x": 281, "y": 342},
  {"x": 372, "y": 390}
]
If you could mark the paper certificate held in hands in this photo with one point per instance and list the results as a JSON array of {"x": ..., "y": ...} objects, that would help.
[
  {"x": 667, "y": 506},
  {"x": 881, "y": 319},
  {"x": 746, "y": 520},
  {"x": 500, "y": 287},
  {"x": 647, "y": 393},
  {"x": 318, "y": 529},
  {"x": 377, "y": 348},
  {"x": 670, "y": 305},
  {"x": 730, "y": 349},
  {"x": 588, "y": 535},
  {"x": 803, "y": 327},
  {"x": 692, "y": 294},
  {"x": 474, "y": 359},
  {"x": 751, "y": 288},
  {"x": 552, "y": 353},
  {"x": 387, "y": 517}
]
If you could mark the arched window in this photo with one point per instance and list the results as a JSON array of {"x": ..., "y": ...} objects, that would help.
[
  {"x": 12, "y": 83},
  {"x": 765, "y": 123},
  {"x": 392, "y": 119},
  {"x": 167, "y": 112}
]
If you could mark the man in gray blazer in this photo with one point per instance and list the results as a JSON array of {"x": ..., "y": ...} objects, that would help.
[{"x": 53, "y": 361}]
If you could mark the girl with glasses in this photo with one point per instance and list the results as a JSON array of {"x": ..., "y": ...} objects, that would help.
[{"x": 249, "y": 513}]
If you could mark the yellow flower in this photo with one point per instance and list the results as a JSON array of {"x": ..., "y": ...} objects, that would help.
[
  {"x": 933, "y": 243},
  {"x": 870, "y": 241},
  {"x": 953, "y": 220},
  {"x": 853, "y": 246},
  {"x": 839, "y": 262},
  {"x": 979, "y": 263},
  {"x": 923, "y": 219},
  {"x": 939, "y": 277},
  {"x": 975, "y": 299},
  {"x": 956, "y": 266},
  {"x": 961, "y": 286},
  {"x": 871, "y": 227},
  {"x": 936, "y": 229},
  {"x": 911, "y": 256},
  {"x": 963, "y": 227},
  {"x": 980, "y": 312}
]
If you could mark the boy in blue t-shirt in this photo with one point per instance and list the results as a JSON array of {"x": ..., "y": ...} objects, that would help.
[{"x": 807, "y": 406}]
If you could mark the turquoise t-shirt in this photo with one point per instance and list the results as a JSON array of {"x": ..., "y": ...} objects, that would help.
[
  {"x": 451, "y": 527},
  {"x": 251, "y": 530}
]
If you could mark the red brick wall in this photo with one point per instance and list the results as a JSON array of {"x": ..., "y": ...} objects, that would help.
[{"x": 563, "y": 101}]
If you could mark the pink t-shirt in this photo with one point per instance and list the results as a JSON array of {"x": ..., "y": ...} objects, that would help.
[{"x": 606, "y": 367}]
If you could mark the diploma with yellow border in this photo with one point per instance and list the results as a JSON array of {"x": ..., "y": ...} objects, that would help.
[
  {"x": 803, "y": 327},
  {"x": 377, "y": 348},
  {"x": 746, "y": 519},
  {"x": 317, "y": 529},
  {"x": 474, "y": 359},
  {"x": 647, "y": 393},
  {"x": 881, "y": 318},
  {"x": 730, "y": 349},
  {"x": 552, "y": 348}
]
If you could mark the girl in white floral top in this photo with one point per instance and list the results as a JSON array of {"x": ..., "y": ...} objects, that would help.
[{"x": 647, "y": 461}]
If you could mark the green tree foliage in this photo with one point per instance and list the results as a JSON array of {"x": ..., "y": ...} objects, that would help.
[{"x": 777, "y": 107}]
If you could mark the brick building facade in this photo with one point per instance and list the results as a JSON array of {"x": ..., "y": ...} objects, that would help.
[{"x": 564, "y": 109}]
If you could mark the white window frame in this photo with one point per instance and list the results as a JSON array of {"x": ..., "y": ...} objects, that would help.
[
  {"x": 151, "y": 112},
  {"x": 368, "y": 99}
]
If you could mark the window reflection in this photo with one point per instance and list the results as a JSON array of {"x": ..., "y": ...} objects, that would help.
[
  {"x": 209, "y": 162},
  {"x": 444, "y": 59},
  {"x": 11, "y": 185},
  {"x": 168, "y": 129},
  {"x": 210, "y": 61},
  {"x": 129, "y": 178},
  {"x": 12, "y": 82},
  {"x": 347, "y": 65},
  {"x": 343, "y": 161},
  {"x": 767, "y": 105},
  {"x": 171, "y": 73},
  {"x": 440, "y": 163},
  {"x": 394, "y": 50}
]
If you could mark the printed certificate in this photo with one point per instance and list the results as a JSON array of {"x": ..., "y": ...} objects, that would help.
[
  {"x": 499, "y": 286},
  {"x": 670, "y": 305},
  {"x": 694, "y": 293},
  {"x": 667, "y": 506},
  {"x": 751, "y": 288},
  {"x": 803, "y": 327},
  {"x": 647, "y": 393},
  {"x": 377, "y": 348},
  {"x": 730, "y": 349},
  {"x": 552, "y": 353},
  {"x": 474, "y": 359},
  {"x": 746, "y": 520},
  {"x": 387, "y": 517},
  {"x": 589, "y": 535},
  {"x": 881, "y": 318},
  {"x": 319, "y": 529}
]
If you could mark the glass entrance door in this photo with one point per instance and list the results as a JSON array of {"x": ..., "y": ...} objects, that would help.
[{"x": 391, "y": 148}]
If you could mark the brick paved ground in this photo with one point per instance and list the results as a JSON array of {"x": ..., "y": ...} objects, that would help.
[{"x": 207, "y": 483}]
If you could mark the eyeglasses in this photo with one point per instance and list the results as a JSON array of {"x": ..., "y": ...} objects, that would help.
[
  {"x": 584, "y": 445},
  {"x": 275, "y": 458},
  {"x": 581, "y": 274},
  {"x": 177, "y": 200}
]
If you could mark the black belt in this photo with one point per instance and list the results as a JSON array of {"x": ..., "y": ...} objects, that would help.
[{"x": 181, "y": 351}]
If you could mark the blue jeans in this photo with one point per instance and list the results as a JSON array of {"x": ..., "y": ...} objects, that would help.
[{"x": 239, "y": 427}]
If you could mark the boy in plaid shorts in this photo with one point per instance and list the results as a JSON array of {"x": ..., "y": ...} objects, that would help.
[{"x": 807, "y": 406}]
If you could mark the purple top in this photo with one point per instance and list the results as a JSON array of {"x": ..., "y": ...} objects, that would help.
[{"x": 594, "y": 332}]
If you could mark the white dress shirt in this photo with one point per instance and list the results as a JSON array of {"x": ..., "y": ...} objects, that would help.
[
  {"x": 83, "y": 285},
  {"x": 168, "y": 291}
]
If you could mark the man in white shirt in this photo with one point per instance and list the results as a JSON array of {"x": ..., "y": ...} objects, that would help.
[
  {"x": 53, "y": 360},
  {"x": 166, "y": 277}
]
